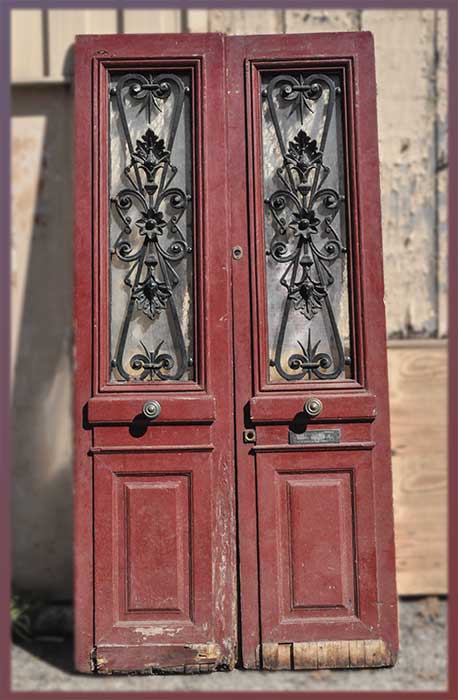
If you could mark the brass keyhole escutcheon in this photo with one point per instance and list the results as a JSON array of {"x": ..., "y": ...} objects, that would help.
[
  {"x": 313, "y": 407},
  {"x": 151, "y": 409}
]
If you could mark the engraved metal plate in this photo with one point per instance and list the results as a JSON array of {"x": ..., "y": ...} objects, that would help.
[{"x": 314, "y": 436}]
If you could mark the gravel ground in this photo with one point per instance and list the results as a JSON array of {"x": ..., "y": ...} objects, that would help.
[{"x": 422, "y": 665}]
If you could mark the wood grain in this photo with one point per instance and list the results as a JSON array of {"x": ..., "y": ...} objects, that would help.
[
  {"x": 418, "y": 404},
  {"x": 301, "y": 656}
]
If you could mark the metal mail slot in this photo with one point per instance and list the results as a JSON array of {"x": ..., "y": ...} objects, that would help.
[{"x": 314, "y": 436}]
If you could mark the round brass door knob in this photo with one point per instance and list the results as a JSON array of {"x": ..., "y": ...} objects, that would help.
[
  {"x": 313, "y": 407},
  {"x": 151, "y": 409}
]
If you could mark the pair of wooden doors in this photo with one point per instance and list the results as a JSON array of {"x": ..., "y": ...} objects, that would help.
[{"x": 233, "y": 497}]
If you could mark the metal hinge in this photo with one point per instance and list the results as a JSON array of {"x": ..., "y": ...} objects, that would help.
[{"x": 249, "y": 435}]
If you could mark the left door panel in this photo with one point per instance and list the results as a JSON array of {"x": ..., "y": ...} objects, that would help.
[{"x": 154, "y": 476}]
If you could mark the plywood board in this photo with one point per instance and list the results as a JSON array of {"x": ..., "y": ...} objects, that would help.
[{"x": 418, "y": 406}]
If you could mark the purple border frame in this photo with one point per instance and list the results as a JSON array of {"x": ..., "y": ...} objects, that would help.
[{"x": 5, "y": 464}]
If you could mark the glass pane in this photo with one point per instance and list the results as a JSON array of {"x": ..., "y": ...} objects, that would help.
[
  {"x": 305, "y": 227},
  {"x": 151, "y": 231}
]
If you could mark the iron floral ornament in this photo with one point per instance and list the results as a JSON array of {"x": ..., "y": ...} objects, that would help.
[
  {"x": 304, "y": 238},
  {"x": 153, "y": 244}
]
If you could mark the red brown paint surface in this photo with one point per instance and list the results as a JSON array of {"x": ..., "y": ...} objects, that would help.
[{"x": 155, "y": 529}]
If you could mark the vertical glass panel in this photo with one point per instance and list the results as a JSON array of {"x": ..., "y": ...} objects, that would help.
[
  {"x": 305, "y": 226},
  {"x": 151, "y": 227}
]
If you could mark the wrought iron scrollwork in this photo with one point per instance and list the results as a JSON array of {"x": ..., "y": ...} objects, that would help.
[
  {"x": 303, "y": 210},
  {"x": 159, "y": 242}
]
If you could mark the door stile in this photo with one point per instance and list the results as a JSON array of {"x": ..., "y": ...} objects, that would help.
[
  {"x": 242, "y": 309},
  {"x": 376, "y": 367},
  {"x": 83, "y": 592}
]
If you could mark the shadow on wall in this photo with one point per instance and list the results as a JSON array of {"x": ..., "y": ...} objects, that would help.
[{"x": 42, "y": 145}]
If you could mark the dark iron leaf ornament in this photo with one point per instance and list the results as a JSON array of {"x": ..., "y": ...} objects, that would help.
[
  {"x": 304, "y": 238},
  {"x": 153, "y": 249}
]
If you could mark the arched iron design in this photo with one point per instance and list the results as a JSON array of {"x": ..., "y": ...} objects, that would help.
[
  {"x": 304, "y": 240},
  {"x": 151, "y": 261}
]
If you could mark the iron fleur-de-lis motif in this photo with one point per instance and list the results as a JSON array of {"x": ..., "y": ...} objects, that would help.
[
  {"x": 304, "y": 238},
  {"x": 151, "y": 275}
]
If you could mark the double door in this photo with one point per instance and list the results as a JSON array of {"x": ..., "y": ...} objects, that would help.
[{"x": 232, "y": 472}]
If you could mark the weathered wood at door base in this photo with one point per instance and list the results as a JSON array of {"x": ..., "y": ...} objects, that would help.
[
  {"x": 197, "y": 658},
  {"x": 299, "y": 656}
]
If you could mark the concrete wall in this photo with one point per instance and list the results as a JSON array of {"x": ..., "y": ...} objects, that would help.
[{"x": 412, "y": 102}]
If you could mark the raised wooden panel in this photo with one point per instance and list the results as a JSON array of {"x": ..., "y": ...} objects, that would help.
[
  {"x": 156, "y": 544},
  {"x": 316, "y": 545},
  {"x": 153, "y": 516},
  {"x": 418, "y": 406},
  {"x": 316, "y": 542}
]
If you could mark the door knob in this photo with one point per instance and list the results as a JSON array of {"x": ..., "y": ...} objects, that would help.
[
  {"x": 151, "y": 409},
  {"x": 313, "y": 406}
]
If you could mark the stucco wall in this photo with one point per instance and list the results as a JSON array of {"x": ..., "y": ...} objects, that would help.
[{"x": 411, "y": 76}]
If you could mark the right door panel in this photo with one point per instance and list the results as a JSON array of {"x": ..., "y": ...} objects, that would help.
[{"x": 313, "y": 454}]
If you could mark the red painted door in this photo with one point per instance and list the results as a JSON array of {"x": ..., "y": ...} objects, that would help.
[
  {"x": 317, "y": 568},
  {"x": 208, "y": 166},
  {"x": 154, "y": 498}
]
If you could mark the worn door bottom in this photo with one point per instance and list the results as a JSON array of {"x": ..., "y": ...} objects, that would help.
[
  {"x": 192, "y": 658},
  {"x": 289, "y": 656},
  {"x": 298, "y": 656}
]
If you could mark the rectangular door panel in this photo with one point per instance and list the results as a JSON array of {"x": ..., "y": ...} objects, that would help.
[
  {"x": 152, "y": 518},
  {"x": 155, "y": 538},
  {"x": 316, "y": 544}
]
